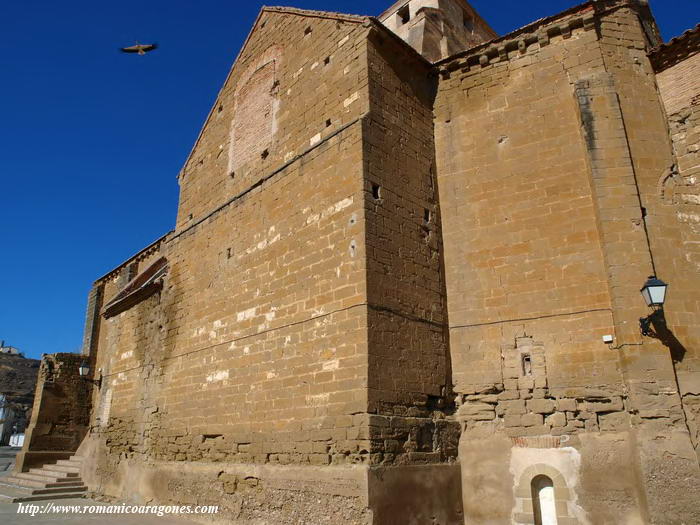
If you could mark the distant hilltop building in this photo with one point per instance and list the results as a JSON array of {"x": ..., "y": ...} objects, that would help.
[
  {"x": 18, "y": 377},
  {"x": 404, "y": 283},
  {"x": 9, "y": 350}
]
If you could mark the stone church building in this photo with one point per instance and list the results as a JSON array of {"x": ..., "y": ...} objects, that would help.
[{"x": 404, "y": 283}]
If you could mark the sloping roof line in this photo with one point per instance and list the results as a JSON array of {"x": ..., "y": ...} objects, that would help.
[
  {"x": 356, "y": 19},
  {"x": 667, "y": 55},
  {"x": 676, "y": 40},
  {"x": 525, "y": 29},
  {"x": 140, "y": 254}
]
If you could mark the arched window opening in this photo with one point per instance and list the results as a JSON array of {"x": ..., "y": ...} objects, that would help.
[{"x": 545, "y": 509}]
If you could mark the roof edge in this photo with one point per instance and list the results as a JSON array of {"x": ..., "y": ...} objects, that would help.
[
  {"x": 675, "y": 50},
  {"x": 590, "y": 4},
  {"x": 358, "y": 19},
  {"x": 141, "y": 253}
]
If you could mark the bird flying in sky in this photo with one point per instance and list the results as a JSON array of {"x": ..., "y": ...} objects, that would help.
[{"x": 141, "y": 49}]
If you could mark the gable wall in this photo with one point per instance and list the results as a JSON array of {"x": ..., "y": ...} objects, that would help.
[{"x": 277, "y": 100}]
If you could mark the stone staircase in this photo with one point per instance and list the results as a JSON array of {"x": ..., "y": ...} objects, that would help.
[{"x": 59, "y": 480}]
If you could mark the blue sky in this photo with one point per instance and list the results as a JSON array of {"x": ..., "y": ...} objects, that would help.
[{"x": 92, "y": 139}]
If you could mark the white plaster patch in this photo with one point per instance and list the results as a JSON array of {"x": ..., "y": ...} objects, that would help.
[
  {"x": 343, "y": 40},
  {"x": 352, "y": 98},
  {"x": 315, "y": 139},
  {"x": 246, "y": 314},
  {"x": 346, "y": 70},
  {"x": 289, "y": 156},
  {"x": 219, "y": 324},
  {"x": 299, "y": 72},
  {"x": 334, "y": 208},
  {"x": 219, "y": 375},
  {"x": 127, "y": 355},
  {"x": 317, "y": 400},
  {"x": 106, "y": 408},
  {"x": 261, "y": 245},
  {"x": 314, "y": 66},
  {"x": 331, "y": 365},
  {"x": 271, "y": 375},
  {"x": 689, "y": 217},
  {"x": 246, "y": 350}
]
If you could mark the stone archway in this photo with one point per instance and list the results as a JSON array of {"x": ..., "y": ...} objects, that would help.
[{"x": 531, "y": 482}]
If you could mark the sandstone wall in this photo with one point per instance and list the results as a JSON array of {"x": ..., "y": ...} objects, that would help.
[
  {"x": 254, "y": 352},
  {"x": 409, "y": 385},
  {"x": 545, "y": 142},
  {"x": 296, "y": 80},
  {"x": 678, "y": 78},
  {"x": 61, "y": 412}
]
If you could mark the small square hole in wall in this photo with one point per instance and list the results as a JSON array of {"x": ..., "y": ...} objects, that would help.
[
  {"x": 526, "y": 361},
  {"x": 328, "y": 123},
  {"x": 403, "y": 15},
  {"x": 307, "y": 31},
  {"x": 189, "y": 217},
  {"x": 229, "y": 253},
  {"x": 327, "y": 61},
  {"x": 221, "y": 108},
  {"x": 232, "y": 174},
  {"x": 264, "y": 154},
  {"x": 376, "y": 191},
  {"x": 427, "y": 216},
  {"x": 468, "y": 22}
]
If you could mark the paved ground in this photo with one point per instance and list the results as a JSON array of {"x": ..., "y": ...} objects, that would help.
[
  {"x": 7, "y": 458},
  {"x": 10, "y": 516}
]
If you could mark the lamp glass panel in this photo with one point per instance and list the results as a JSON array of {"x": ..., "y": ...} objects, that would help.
[
  {"x": 646, "y": 295},
  {"x": 658, "y": 294}
]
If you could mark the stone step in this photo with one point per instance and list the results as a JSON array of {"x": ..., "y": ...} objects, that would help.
[
  {"x": 51, "y": 472},
  {"x": 64, "y": 468},
  {"x": 24, "y": 482},
  {"x": 69, "y": 463},
  {"x": 60, "y": 490},
  {"x": 38, "y": 477}
]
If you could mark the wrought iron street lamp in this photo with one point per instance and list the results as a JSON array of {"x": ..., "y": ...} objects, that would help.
[
  {"x": 654, "y": 294},
  {"x": 84, "y": 371}
]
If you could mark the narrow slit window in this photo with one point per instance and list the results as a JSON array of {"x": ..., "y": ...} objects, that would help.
[
  {"x": 376, "y": 192},
  {"x": 527, "y": 364},
  {"x": 468, "y": 22},
  {"x": 404, "y": 15}
]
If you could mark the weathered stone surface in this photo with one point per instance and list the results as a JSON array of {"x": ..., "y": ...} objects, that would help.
[
  {"x": 344, "y": 197},
  {"x": 541, "y": 406}
]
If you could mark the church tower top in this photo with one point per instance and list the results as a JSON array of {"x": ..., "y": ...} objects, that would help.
[{"x": 437, "y": 29}]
